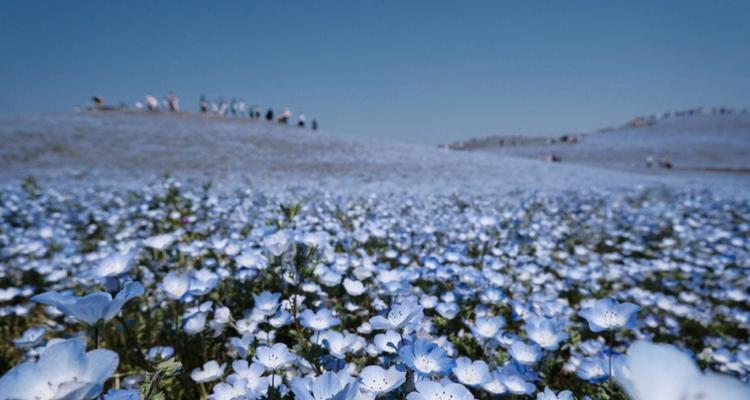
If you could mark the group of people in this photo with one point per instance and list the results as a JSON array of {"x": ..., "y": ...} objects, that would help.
[
  {"x": 234, "y": 108},
  {"x": 239, "y": 109},
  {"x": 648, "y": 120}
]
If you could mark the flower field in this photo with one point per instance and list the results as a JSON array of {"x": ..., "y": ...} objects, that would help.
[{"x": 185, "y": 292}]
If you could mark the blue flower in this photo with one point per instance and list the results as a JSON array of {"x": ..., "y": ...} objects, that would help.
[
  {"x": 471, "y": 373},
  {"x": 274, "y": 357},
  {"x": 550, "y": 395},
  {"x": 176, "y": 286},
  {"x": 337, "y": 343},
  {"x": 123, "y": 394},
  {"x": 515, "y": 378},
  {"x": 318, "y": 321},
  {"x": 329, "y": 385},
  {"x": 267, "y": 303},
  {"x": 398, "y": 317},
  {"x": 93, "y": 307},
  {"x": 545, "y": 332},
  {"x": 594, "y": 369},
  {"x": 387, "y": 342},
  {"x": 607, "y": 314},
  {"x": 30, "y": 337},
  {"x": 378, "y": 381},
  {"x": 525, "y": 354},
  {"x": 426, "y": 358},
  {"x": 114, "y": 265},
  {"x": 487, "y": 327},
  {"x": 64, "y": 371},
  {"x": 662, "y": 371},
  {"x": 429, "y": 390}
]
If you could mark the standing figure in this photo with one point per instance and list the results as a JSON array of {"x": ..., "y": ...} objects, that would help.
[
  {"x": 173, "y": 102},
  {"x": 284, "y": 117},
  {"x": 152, "y": 104},
  {"x": 269, "y": 115},
  {"x": 204, "y": 104},
  {"x": 314, "y": 124},
  {"x": 301, "y": 120},
  {"x": 241, "y": 108},
  {"x": 98, "y": 102},
  {"x": 223, "y": 107}
]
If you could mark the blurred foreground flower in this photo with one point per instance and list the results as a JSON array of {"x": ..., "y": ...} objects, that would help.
[
  {"x": 661, "y": 371},
  {"x": 64, "y": 371}
]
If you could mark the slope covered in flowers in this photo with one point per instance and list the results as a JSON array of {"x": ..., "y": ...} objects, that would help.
[{"x": 307, "y": 294}]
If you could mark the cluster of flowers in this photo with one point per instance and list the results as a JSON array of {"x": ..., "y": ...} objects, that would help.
[{"x": 307, "y": 295}]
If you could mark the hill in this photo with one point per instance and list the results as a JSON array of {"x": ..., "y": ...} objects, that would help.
[
  {"x": 131, "y": 149},
  {"x": 702, "y": 144}
]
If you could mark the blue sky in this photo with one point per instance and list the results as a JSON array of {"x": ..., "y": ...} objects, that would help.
[{"x": 416, "y": 71}]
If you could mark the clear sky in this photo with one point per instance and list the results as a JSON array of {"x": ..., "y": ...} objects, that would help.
[{"x": 417, "y": 71}]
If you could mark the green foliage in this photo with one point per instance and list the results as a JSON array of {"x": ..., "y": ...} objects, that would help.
[{"x": 154, "y": 381}]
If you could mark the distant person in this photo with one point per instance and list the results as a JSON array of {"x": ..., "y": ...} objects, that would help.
[
  {"x": 173, "y": 102},
  {"x": 269, "y": 115},
  {"x": 314, "y": 124},
  {"x": 254, "y": 112},
  {"x": 205, "y": 106},
  {"x": 241, "y": 108},
  {"x": 285, "y": 115},
  {"x": 301, "y": 120},
  {"x": 152, "y": 104},
  {"x": 98, "y": 102},
  {"x": 649, "y": 162},
  {"x": 233, "y": 107},
  {"x": 665, "y": 163},
  {"x": 223, "y": 107}
]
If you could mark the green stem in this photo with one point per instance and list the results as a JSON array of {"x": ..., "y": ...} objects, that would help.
[{"x": 611, "y": 350}]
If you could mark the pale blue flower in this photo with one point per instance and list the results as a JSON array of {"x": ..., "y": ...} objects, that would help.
[
  {"x": 426, "y": 358},
  {"x": 661, "y": 371},
  {"x": 387, "y": 342},
  {"x": 379, "y": 381},
  {"x": 398, "y": 317},
  {"x": 608, "y": 314},
  {"x": 93, "y": 307},
  {"x": 354, "y": 287},
  {"x": 160, "y": 353},
  {"x": 114, "y": 265},
  {"x": 448, "y": 310},
  {"x": 176, "y": 285},
  {"x": 236, "y": 390},
  {"x": 274, "y": 357},
  {"x": 550, "y": 395},
  {"x": 594, "y": 369},
  {"x": 514, "y": 381},
  {"x": 318, "y": 321},
  {"x": 252, "y": 374},
  {"x": 31, "y": 337},
  {"x": 470, "y": 373},
  {"x": 327, "y": 386},
  {"x": 267, "y": 303},
  {"x": 430, "y": 390},
  {"x": 337, "y": 343},
  {"x": 64, "y": 371},
  {"x": 123, "y": 394},
  {"x": 211, "y": 371},
  {"x": 525, "y": 354},
  {"x": 546, "y": 332},
  {"x": 487, "y": 328}
]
